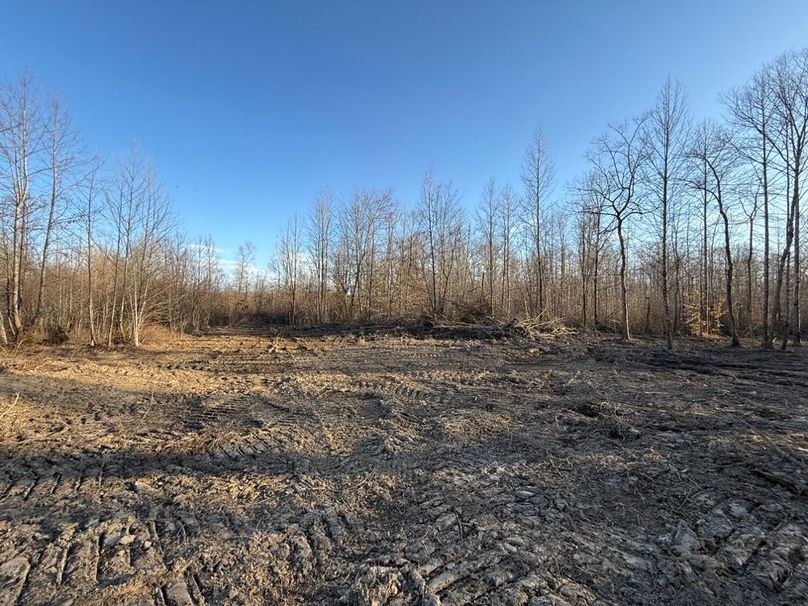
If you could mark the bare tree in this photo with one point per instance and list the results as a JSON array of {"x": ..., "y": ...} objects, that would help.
[
  {"x": 360, "y": 225},
  {"x": 289, "y": 253},
  {"x": 667, "y": 132},
  {"x": 591, "y": 243},
  {"x": 617, "y": 159},
  {"x": 537, "y": 176},
  {"x": 153, "y": 225},
  {"x": 441, "y": 224},
  {"x": 713, "y": 147},
  {"x": 507, "y": 207},
  {"x": 245, "y": 258},
  {"x": 751, "y": 109},
  {"x": 62, "y": 159},
  {"x": 22, "y": 134},
  {"x": 91, "y": 192},
  {"x": 202, "y": 282},
  {"x": 321, "y": 234},
  {"x": 791, "y": 108},
  {"x": 487, "y": 216},
  {"x": 750, "y": 206},
  {"x": 123, "y": 204}
]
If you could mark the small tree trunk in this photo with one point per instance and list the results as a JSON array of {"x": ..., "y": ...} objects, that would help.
[
  {"x": 595, "y": 275},
  {"x": 797, "y": 327},
  {"x": 15, "y": 316},
  {"x": 749, "y": 256},
  {"x": 665, "y": 296},
  {"x": 704, "y": 310},
  {"x": 90, "y": 302},
  {"x": 781, "y": 272},
  {"x": 766, "y": 337},
  {"x": 46, "y": 245},
  {"x": 728, "y": 252},
  {"x": 623, "y": 288}
]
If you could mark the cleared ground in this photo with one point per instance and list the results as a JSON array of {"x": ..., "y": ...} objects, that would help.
[{"x": 399, "y": 468}]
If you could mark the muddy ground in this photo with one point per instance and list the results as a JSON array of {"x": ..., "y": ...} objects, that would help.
[{"x": 399, "y": 468}]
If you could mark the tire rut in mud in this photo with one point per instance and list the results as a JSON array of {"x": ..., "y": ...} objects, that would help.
[{"x": 387, "y": 471}]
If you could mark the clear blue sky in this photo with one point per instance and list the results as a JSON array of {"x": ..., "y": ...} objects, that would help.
[{"x": 248, "y": 108}]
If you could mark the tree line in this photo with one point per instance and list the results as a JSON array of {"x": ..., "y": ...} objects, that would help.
[
  {"x": 675, "y": 226},
  {"x": 89, "y": 249}
]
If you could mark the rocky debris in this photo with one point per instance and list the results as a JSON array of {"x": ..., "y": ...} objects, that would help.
[{"x": 375, "y": 586}]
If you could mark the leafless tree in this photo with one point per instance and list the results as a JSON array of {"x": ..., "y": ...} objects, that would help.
[
  {"x": 791, "y": 109},
  {"x": 507, "y": 211},
  {"x": 617, "y": 158},
  {"x": 591, "y": 242},
  {"x": 487, "y": 217},
  {"x": 713, "y": 147},
  {"x": 321, "y": 235},
  {"x": 245, "y": 259},
  {"x": 441, "y": 225},
  {"x": 537, "y": 176},
  {"x": 90, "y": 195},
  {"x": 751, "y": 108},
  {"x": 360, "y": 224},
  {"x": 288, "y": 262},
  {"x": 667, "y": 132},
  {"x": 22, "y": 136},
  {"x": 62, "y": 159}
]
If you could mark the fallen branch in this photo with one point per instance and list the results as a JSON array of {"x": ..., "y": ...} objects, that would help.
[{"x": 13, "y": 404}]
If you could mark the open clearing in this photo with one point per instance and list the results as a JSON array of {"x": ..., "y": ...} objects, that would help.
[{"x": 388, "y": 467}]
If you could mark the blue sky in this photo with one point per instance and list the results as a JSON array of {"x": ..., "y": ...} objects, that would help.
[{"x": 249, "y": 108}]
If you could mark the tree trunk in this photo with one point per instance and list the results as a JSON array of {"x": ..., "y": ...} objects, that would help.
[
  {"x": 766, "y": 337},
  {"x": 46, "y": 243},
  {"x": 728, "y": 252},
  {"x": 595, "y": 274},
  {"x": 704, "y": 310},
  {"x": 665, "y": 301},
  {"x": 797, "y": 326},
  {"x": 781, "y": 271},
  {"x": 15, "y": 316},
  {"x": 90, "y": 302},
  {"x": 749, "y": 256},
  {"x": 623, "y": 288}
]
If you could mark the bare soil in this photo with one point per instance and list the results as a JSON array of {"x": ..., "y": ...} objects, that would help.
[{"x": 398, "y": 467}]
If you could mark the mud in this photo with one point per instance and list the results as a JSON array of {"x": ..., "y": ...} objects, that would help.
[{"x": 398, "y": 468}]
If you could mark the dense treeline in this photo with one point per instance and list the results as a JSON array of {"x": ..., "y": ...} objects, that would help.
[
  {"x": 88, "y": 249},
  {"x": 676, "y": 226}
]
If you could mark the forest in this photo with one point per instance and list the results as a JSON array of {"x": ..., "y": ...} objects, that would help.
[{"x": 676, "y": 226}]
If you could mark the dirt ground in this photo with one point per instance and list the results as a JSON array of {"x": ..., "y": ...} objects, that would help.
[{"x": 386, "y": 467}]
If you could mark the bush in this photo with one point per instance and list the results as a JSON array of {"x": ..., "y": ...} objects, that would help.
[{"x": 55, "y": 334}]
